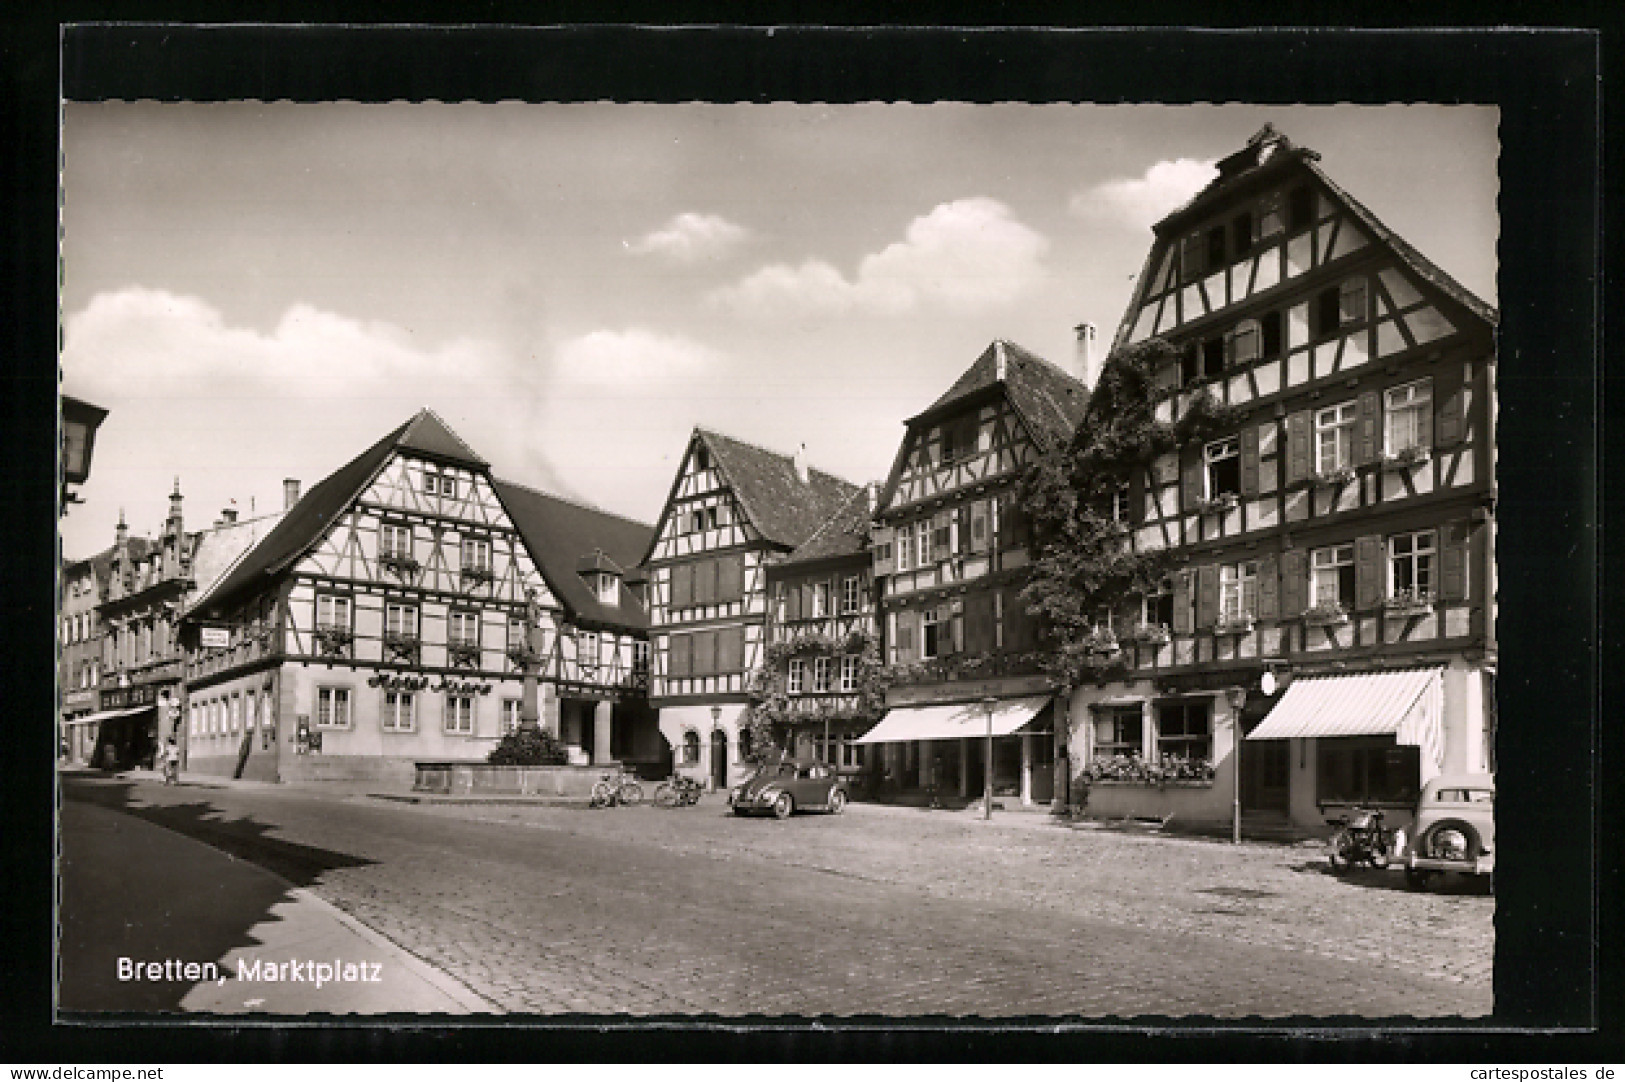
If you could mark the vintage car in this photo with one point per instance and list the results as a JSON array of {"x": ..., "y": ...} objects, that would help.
[
  {"x": 790, "y": 786},
  {"x": 1455, "y": 829}
]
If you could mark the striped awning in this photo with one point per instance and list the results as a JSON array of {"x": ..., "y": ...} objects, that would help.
[
  {"x": 106, "y": 715},
  {"x": 953, "y": 721},
  {"x": 1405, "y": 703}
]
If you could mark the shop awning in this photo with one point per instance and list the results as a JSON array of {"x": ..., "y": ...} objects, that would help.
[
  {"x": 953, "y": 721},
  {"x": 1406, "y": 703},
  {"x": 106, "y": 715}
]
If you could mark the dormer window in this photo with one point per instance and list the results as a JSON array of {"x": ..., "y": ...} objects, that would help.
[{"x": 606, "y": 587}]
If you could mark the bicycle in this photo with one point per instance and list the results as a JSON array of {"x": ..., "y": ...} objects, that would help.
[
  {"x": 679, "y": 792},
  {"x": 617, "y": 789}
]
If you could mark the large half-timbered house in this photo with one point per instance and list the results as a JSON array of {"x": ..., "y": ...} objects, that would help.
[
  {"x": 1339, "y": 534},
  {"x": 733, "y": 509},
  {"x": 950, "y": 558},
  {"x": 387, "y": 617}
]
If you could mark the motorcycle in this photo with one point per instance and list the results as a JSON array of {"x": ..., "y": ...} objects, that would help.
[
  {"x": 1361, "y": 839},
  {"x": 678, "y": 792}
]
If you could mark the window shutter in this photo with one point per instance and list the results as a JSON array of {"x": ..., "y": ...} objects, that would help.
[
  {"x": 1453, "y": 563},
  {"x": 1207, "y": 595},
  {"x": 705, "y": 653},
  {"x": 1449, "y": 405},
  {"x": 1269, "y": 587},
  {"x": 1190, "y": 476},
  {"x": 731, "y": 649},
  {"x": 908, "y": 626},
  {"x": 807, "y": 610},
  {"x": 731, "y": 577},
  {"x": 1297, "y": 447},
  {"x": 682, "y": 586},
  {"x": 792, "y": 602},
  {"x": 1182, "y": 603},
  {"x": 1294, "y": 583},
  {"x": 682, "y": 656},
  {"x": 981, "y": 529},
  {"x": 1249, "y": 460},
  {"x": 942, "y": 536},
  {"x": 1368, "y": 430},
  {"x": 883, "y": 543},
  {"x": 1368, "y": 577},
  {"x": 962, "y": 524},
  {"x": 1136, "y": 495}
]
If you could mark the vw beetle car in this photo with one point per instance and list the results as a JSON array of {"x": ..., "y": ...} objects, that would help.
[
  {"x": 1455, "y": 829},
  {"x": 790, "y": 786}
]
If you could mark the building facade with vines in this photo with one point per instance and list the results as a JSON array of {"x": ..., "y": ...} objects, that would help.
[
  {"x": 1336, "y": 533},
  {"x": 951, "y": 553},
  {"x": 388, "y": 617}
]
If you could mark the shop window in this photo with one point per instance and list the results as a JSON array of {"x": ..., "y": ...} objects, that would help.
[
  {"x": 1332, "y": 581},
  {"x": 332, "y": 708},
  {"x": 1184, "y": 729},
  {"x": 796, "y": 678},
  {"x": 460, "y": 715},
  {"x": 1223, "y": 461},
  {"x": 1119, "y": 731},
  {"x": 691, "y": 746},
  {"x": 1366, "y": 770},
  {"x": 1410, "y": 565},
  {"x": 1407, "y": 416},
  {"x": 399, "y": 714},
  {"x": 1334, "y": 437},
  {"x": 1238, "y": 590}
]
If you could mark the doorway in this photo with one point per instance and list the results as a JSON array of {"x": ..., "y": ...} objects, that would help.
[
  {"x": 1266, "y": 773},
  {"x": 719, "y": 759}
]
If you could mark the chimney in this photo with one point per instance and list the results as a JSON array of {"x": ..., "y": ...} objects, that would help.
[
  {"x": 174, "y": 524},
  {"x": 290, "y": 493},
  {"x": 1088, "y": 358},
  {"x": 1000, "y": 364},
  {"x": 801, "y": 463},
  {"x": 228, "y": 515}
]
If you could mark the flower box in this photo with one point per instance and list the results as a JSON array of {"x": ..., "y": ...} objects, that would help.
[
  {"x": 334, "y": 641},
  {"x": 400, "y": 647},
  {"x": 1169, "y": 770},
  {"x": 1337, "y": 478},
  {"x": 476, "y": 576},
  {"x": 1326, "y": 614},
  {"x": 1218, "y": 505},
  {"x": 465, "y": 655},
  {"x": 523, "y": 658},
  {"x": 1147, "y": 634},
  {"x": 402, "y": 567},
  {"x": 1406, "y": 457},
  {"x": 1233, "y": 625},
  {"x": 1408, "y": 603}
]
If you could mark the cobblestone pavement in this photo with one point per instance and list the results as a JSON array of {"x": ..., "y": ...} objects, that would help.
[{"x": 879, "y": 911}]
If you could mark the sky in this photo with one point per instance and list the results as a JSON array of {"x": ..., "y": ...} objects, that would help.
[{"x": 261, "y": 291}]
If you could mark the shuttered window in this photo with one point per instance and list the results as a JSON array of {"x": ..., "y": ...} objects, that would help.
[
  {"x": 979, "y": 637},
  {"x": 1297, "y": 447},
  {"x": 731, "y": 650},
  {"x": 705, "y": 653},
  {"x": 1410, "y": 566},
  {"x": 682, "y": 656},
  {"x": 731, "y": 577},
  {"x": 979, "y": 526},
  {"x": 1181, "y": 616},
  {"x": 1246, "y": 342},
  {"x": 1454, "y": 563},
  {"x": 1249, "y": 461},
  {"x": 881, "y": 548},
  {"x": 1368, "y": 431},
  {"x": 1294, "y": 583},
  {"x": 1368, "y": 572},
  {"x": 1269, "y": 587},
  {"x": 1408, "y": 417},
  {"x": 682, "y": 586},
  {"x": 1450, "y": 405},
  {"x": 1334, "y": 436},
  {"x": 1333, "y": 581},
  {"x": 1207, "y": 596}
]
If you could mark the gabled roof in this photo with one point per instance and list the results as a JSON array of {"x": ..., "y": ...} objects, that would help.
[
  {"x": 559, "y": 532},
  {"x": 428, "y": 435},
  {"x": 1268, "y": 152},
  {"x": 1049, "y": 400},
  {"x": 783, "y": 508},
  {"x": 845, "y": 533},
  {"x": 305, "y": 523},
  {"x": 215, "y": 551}
]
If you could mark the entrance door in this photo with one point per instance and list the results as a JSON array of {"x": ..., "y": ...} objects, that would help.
[
  {"x": 719, "y": 759},
  {"x": 1266, "y": 769}
]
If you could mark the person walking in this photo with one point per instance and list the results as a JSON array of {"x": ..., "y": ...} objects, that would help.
[{"x": 172, "y": 762}]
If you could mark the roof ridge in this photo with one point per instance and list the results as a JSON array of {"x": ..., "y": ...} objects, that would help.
[
  {"x": 573, "y": 501},
  {"x": 831, "y": 518},
  {"x": 423, "y": 411}
]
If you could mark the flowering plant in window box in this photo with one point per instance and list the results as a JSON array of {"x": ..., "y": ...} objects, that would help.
[
  {"x": 1234, "y": 625},
  {"x": 334, "y": 641},
  {"x": 1133, "y": 770},
  {"x": 1406, "y": 457},
  {"x": 1335, "y": 478},
  {"x": 1148, "y": 634},
  {"x": 463, "y": 655},
  {"x": 476, "y": 576},
  {"x": 523, "y": 657},
  {"x": 1326, "y": 614},
  {"x": 1408, "y": 603},
  {"x": 403, "y": 567},
  {"x": 1218, "y": 505},
  {"x": 1102, "y": 640},
  {"x": 397, "y": 645}
]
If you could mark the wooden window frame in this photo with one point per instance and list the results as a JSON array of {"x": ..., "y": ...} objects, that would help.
[
  {"x": 1166, "y": 710},
  {"x": 386, "y": 532},
  {"x": 1422, "y": 562},
  {"x": 851, "y": 595},
  {"x": 1342, "y": 428},
  {"x": 1418, "y": 400},
  {"x": 1238, "y": 590},
  {"x": 1339, "y": 560},
  {"x": 391, "y": 710},
  {"x": 452, "y": 699},
  {"x": 823, "y": 674},
  {"x": 1121, "y": 719},
  {"x": 849, "y": 673},
  {"x": 795, "y": 676}
]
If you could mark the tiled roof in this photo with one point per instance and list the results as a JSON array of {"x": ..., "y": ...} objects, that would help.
[
  {"x": 1049, "y": 400},
  {"x": 429, "y": 435},
  {"x": 559, "y": 533},
  {"x": 217, "y": 550},
  {"x": 783, "y": 508},
  {"x": 845, "y": 533}
]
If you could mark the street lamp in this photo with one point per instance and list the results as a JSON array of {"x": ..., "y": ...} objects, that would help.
[
  {"x": 716, "y": 727},
  {"x": 988, "y": 706},
  {"x": 1237, "y": 698},
  {"x": 80, "y": 420}
]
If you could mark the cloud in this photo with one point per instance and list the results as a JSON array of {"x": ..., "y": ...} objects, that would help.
[
  {"x": 970, "y": 255},
  {"x": 692, "y": 238},
  {"x": 630, "y": 358},
  {"x": 1142, "y": 201}
]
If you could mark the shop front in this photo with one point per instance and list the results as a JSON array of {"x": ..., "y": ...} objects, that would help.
[
  {"x": 114, "y": 739},
  {"x": 938, "y": 751}
]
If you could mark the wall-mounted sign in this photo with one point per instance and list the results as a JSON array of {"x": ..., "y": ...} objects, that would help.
[{"x": 215, "y": 638}]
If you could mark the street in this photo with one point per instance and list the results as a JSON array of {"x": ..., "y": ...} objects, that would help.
[{"x": 881, "y": 911}]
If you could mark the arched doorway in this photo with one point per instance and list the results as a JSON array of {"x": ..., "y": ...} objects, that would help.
[{"x": 719, "y": 759}]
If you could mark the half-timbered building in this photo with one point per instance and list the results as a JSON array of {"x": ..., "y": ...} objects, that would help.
[
  {"x": 388, "y": 617},
  {"x": 733, "y": 509},
  {"x": 950, "y": 554},
  {"x": 1338, "y": 535},
  {"x": 820, "y": 669}
]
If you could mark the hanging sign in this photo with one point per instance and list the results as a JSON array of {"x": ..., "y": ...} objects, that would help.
[{"x": 215, "y": 638}]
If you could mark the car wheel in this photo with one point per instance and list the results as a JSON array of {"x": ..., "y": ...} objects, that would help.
[
  {"x": 1471, "y": 844},
  {"x": 837, "y": 802},
  {"x": 783, "y": 805},
  {"x": 1338, "y": 854}
]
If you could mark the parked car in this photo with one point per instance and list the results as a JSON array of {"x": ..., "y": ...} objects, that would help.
[
  {"x": 1455, "y": 829},
  {"x": 789, "y": 786}
]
